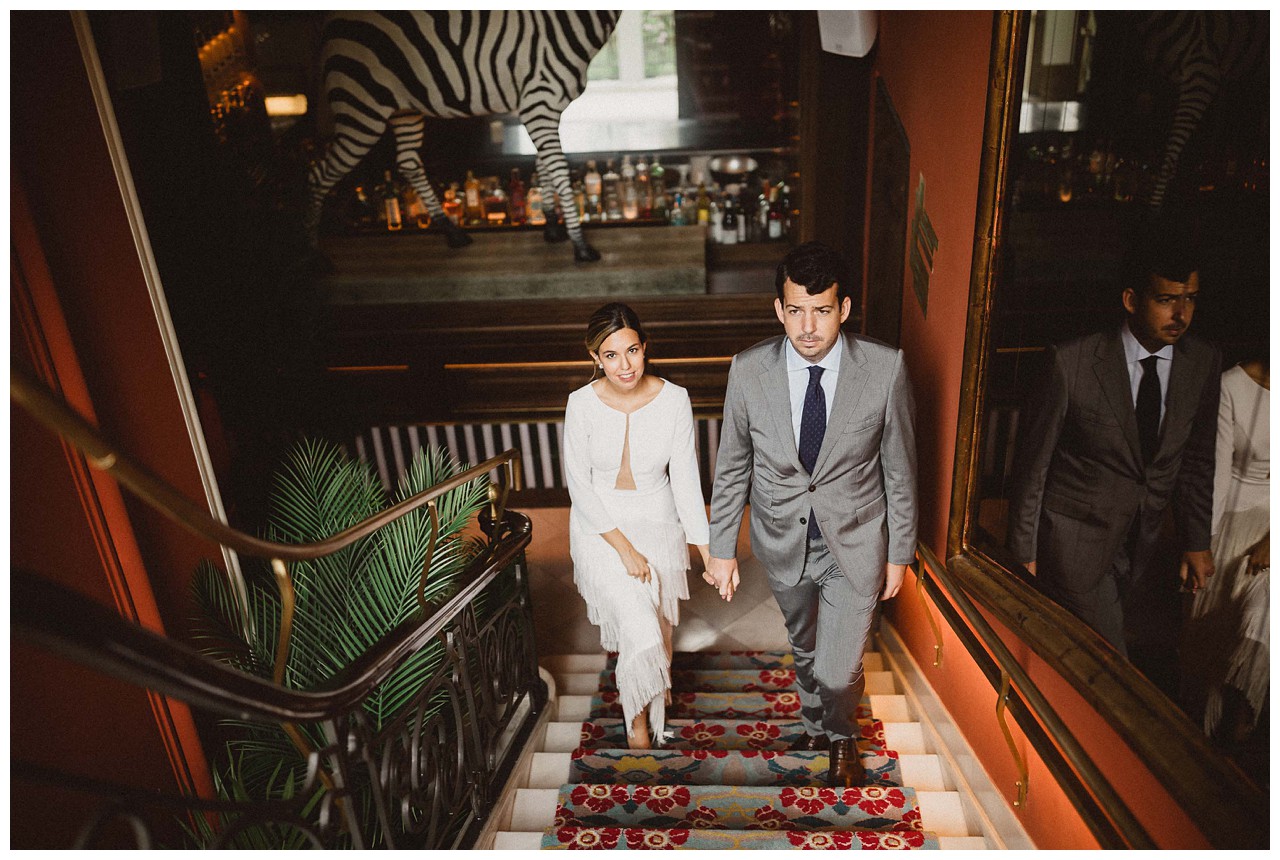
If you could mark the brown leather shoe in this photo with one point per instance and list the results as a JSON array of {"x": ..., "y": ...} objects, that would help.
[
  {"x": 846, "y": 770},
  {"x": 809, "y": 743}
]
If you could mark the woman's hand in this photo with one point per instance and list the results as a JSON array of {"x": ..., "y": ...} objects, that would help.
[
  {"x": 705, "y": 552},
  {"x": 1260, "y": 555},
  {"x": 635, "y": 563}
]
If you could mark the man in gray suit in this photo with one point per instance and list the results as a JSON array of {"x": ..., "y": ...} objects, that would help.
[
  {"x": 1123, "y": 424},
  {"x": 819, "y": 433}
]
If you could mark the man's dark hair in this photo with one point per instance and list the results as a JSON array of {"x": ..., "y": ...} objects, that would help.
[
  {"x": 815, "y": 267},
  {"x": 1166, "y": 248}
]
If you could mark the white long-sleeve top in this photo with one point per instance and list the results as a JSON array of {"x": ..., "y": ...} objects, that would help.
[
  {"x": 662, "y": 451},
  {"x": 1242, "y": 468}
]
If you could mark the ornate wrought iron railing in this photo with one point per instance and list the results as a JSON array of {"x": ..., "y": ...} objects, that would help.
[{"x": 427, "y": 778}]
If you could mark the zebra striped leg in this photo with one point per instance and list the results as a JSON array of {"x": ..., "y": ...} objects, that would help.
[
  {"x": 340, "y": 156},
  {"x": 408, "y": 129},
  {"x": 544, "y": 129},
  {"x": 1194, "y": 97}
]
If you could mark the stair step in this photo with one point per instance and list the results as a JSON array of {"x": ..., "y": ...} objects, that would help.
[
  {"x": 784, "y": 704},
  {"x": 941, "y": 812},
  {"x": 717, "y": 681},
  {"x": 608, "y": 837},
  {"x": 872, "y": 661},
  {"x": 711, "y": 733},
  {"x": 962, "y": 843},
  {"x": 560, "y": 663},
  {"x": 509, "y": 841},
  {"x": 721, "y": 767}
]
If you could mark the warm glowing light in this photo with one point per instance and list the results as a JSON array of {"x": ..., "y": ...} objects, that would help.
[{"x": 286, "y": 105}]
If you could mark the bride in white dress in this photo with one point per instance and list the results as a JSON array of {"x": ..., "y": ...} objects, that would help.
[{"x": 631, "y": 466}]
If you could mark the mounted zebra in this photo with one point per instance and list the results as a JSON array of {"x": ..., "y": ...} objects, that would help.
[
  {"x": 392, "y": 69},
  {"x": 1198, "y": 52}
]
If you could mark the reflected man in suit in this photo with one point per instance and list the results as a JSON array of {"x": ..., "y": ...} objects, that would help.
[
  {"x": 1122, "y": 426},
  {"x": 819, "y": 434}
]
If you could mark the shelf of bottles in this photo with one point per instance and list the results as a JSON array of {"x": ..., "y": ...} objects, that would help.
[
  {"x": 631, "y": 191},
  {"x": 1057, "y": 170},
  {"x": 226, "y": 66}
]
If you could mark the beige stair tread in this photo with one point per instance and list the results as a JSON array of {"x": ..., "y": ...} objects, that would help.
[
  {"x": 558, "y": 664},
  {"x": 889, "y": 708},
  {"x": 549, "y": 770},
  {"x": 880, "y": 683},
  {"x": 577, "y": 683},
  {"x": 573, "y": 708},
  {"x": 509, "y": 841},
  {"x": 941, "y": 812},
  {"x": 535, "y": 808},
  {"x": 562, "y": 737},
  {"x": 905, "y": 738},
  {"x": 872, "y": 661},
  {"x": 961, "y": 843},
  {"x": 923, "y": 773}
]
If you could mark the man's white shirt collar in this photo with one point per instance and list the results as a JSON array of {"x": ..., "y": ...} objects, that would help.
[
  {"x": 1134, "y": 351},
  {"x": 830, "y": 361}
]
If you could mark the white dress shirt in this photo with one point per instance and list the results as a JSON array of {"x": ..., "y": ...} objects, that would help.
[
  {"x": 1134, "y": 353},
  {"x": 798, "y": 380}
]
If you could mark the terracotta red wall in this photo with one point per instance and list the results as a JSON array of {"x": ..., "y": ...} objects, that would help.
[{"x": 936, "y": 66}]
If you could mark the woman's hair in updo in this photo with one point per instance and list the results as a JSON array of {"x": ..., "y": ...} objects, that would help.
[{"x": 611, "y": 318}]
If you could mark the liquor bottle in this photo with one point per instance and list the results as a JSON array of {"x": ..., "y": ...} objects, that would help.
[
  {"x": 762, "y": 213},
  {"x": 515, "y": 191},
  {"x": 658, "y": 186},
  {"x": 415, "y": 211},
  {"x": 743, "y": 209},
  {"x": 495, "y": 203},
  {"x": 452, "y": 205},
  {"x": 390, "y": 203},
  {"x": 610, "y": 191},
  {"x": 365, "y": 213},
  {"x": 627, "y": 190},
  {"x": 533, "y": 202},
  {"x": 713, "y": 222},
  {"x": 580, "y": 201},
  {"x": 703, "y": 203},
  {"x": 644, "y": 189},
  {"x": 594, "y": 192},
  {"x": 677, "y": 210},
  {"x": 472, "y": 206},
  {"x": 775, "y": 215},
  {"x": 729, "y": 222}
]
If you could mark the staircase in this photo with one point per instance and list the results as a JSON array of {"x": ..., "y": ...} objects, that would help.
[{"x": 726, "y": 779}]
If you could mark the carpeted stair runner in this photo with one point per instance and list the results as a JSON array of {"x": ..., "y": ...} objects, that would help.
[{"x": 725, "y": 778}]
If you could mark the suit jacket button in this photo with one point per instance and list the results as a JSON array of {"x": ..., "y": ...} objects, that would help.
[
  {"x": 803, "y": 521},
  {"x": 812, "y": 487}
]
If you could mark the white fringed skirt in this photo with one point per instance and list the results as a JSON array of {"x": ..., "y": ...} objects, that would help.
[{"x": 635, "y": 618}]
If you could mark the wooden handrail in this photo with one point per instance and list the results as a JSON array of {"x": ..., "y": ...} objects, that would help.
[
  {"x": 61, "y": 419},
  {"x": 1114, "y": 823}
]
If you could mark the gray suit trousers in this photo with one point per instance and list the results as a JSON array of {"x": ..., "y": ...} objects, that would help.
[{"x": 828, "y": 624}]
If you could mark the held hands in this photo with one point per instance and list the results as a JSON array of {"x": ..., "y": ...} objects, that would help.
[
  {"x": 1260, "y": 556},
  {"x": 723, "y": 574},
  {"x": 893, "y": 576},
  {"x": 1195, "y": 570}
]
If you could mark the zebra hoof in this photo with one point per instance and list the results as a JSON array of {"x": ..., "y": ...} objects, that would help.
[
  {"x": 456, "y": 238},
  {"x": 555, "y": 232},
  {"x": 585, "y": 253}
]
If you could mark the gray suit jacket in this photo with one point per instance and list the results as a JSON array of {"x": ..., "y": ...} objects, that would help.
[
  {"x": 863, "y": 488},
  {"x": 1079, "y": 479}
]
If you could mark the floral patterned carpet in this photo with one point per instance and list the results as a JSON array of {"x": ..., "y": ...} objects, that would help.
[{"x": 726, "y": 779}]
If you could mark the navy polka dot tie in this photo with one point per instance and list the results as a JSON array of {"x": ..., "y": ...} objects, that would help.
[{"x": 813, "y": 425}]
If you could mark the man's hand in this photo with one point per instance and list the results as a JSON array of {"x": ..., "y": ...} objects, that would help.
[
  {"x": 1195, "y": 570},
  {"x": 723, "y": 574},
  {"x": 893, "y": 576}
]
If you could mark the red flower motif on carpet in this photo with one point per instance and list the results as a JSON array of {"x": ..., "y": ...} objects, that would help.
[
  {"x": 609, "y": 696},
  {"x": 659, "y": 840},
  {"x": 661, "y": 798},
  {"x": 703, "y": 755},
  {"x": 810, "y": 800},
  {"x": 875, "y": 799},
  {"x": 759, "y": 735},
  {"x": 564, "y": 817},
  {"x": 784, "y": 703},
  {"x": 874, "y": 732},
  {"x": 889, "y": 841},
  {"x": 821, "y": 840},
  {"x": 703, "y": 818},
  {"x": 768, "y": 818},
  {"x": 591, "y": 732},
  {"x": 701, "y": 735},
  {"x": 777, "y": 677},
  {"x": 589, "y": 837},
  {"x": 911, "y": 818},
  {"x": 599, "y": 798}
]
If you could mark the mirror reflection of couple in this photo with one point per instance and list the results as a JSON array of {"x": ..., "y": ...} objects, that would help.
[{"x": 818, "y": 435}]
